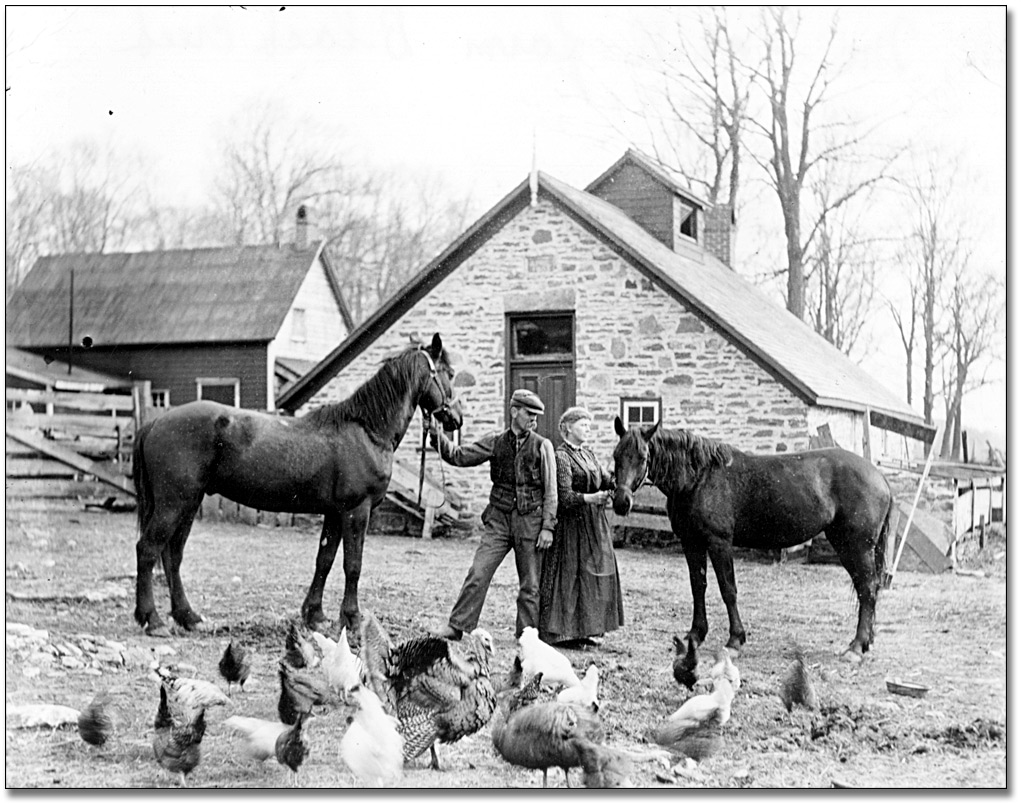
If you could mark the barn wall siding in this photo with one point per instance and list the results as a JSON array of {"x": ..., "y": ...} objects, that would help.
[
  {"x": 175, "y": 368},
  {"x": 632, "y": 339},
  {"x": 324, "y": 326}
]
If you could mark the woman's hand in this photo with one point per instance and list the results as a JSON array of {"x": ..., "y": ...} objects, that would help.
[{"x": 597, "y": 497}]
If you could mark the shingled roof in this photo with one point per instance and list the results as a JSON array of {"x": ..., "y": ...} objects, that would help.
[
  {"x": 204, "y": 295},
  {"x": 787, "y": 347}
]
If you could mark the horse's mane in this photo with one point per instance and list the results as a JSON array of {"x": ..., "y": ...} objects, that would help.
[
  {"x": 680, "y": 457},
  {"x": 375, "y": 400}
]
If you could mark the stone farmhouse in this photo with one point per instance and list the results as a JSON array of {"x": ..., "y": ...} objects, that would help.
[{"x": 620, "y": 297}]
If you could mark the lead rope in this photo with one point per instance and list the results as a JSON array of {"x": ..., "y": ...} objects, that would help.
[{"x": 422, "y": 462}]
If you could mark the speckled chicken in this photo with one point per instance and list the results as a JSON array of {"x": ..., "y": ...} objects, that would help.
[
  {"x": 96, "y": 721},
  {"x": 187, "y": 696},
  {"x": 685, "y": 662},
  {"x": 177, "y": 746},
  {"x": 235, "y": 666},
  {"x": 439, "y": 690},
  {"x": 797, "y": 685}
]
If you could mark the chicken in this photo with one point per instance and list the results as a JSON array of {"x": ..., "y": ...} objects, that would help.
[
  {"x": 685, "y": 662},
  {"x": 439, "y": 690},
  {"x": 342, "y": 668},
  {"x": 695, "y": 728},
  {"x": 190, "y": 695},
  {"x": 177, "y": 746},
  {"x": 300, "y": 691},
  {"x": 605, "y": 766},
  {"x": 726, "y": 668},
  {"x": 372, "y": 747},
  {"x": 96, "y": 721},
  {"x": 586, "y": 693},
  {"x": 299, "y": 650},
  {"x": 292, "y": 747},
  {"x": 235, "y": 666},
  {"x": 260, "y": 735},
  {"x": 538, "y": 657},
  {"x": 544, "y": 735},
  {"x": 797, "y": 685}
]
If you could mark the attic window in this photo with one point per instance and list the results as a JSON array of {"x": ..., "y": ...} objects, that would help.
[
  {"x": 687, "y": 220},
  {"x": 298, "y": 330},
  {"x": 642, "y": 412}
]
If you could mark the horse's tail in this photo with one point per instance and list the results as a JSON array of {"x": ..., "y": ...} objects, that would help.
[
  {"x": 140, "y": 477},
  {"x": 880, "y": 548}
]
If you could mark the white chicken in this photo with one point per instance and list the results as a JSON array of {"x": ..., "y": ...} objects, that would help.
[
  {"x": 342, "y": 668},
  {"x": 372, "y": 747},
  {"x": 260, "y": 735},
  {"x": 586, "y": 693},
  {"x": 694, "y": 729},
  {"x": 724, "y": 667},
  {"x": 538, "y": 657}
]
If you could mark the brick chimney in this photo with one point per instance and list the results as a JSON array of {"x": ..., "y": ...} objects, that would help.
[
  {"x": 301, "y": 229},
  {"x": 719, "y": 233}
]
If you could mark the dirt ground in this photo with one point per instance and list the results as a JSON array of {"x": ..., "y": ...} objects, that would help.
[{"x": 70, "y": 573}]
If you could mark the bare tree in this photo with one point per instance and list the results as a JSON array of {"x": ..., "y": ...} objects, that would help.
[
  {"x": 793, "y": 130},
  {"x": 975, "y": 310},
  {"x": 905, "y": 321}
]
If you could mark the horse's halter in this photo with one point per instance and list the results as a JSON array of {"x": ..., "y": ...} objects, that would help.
[
  {"x": 644, "y": 478},
  {"x": 445, "y": 406}
]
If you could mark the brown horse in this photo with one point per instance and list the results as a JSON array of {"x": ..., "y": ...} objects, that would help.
[
  {"x": 336, "y": 461},
  {"x": 718, "y": 497}
]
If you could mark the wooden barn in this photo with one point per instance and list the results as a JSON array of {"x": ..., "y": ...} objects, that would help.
[
  {"x": 235, "y": 324},
  {"x": 619, "y": 297}
]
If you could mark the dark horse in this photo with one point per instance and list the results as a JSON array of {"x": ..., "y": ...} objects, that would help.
[
  {"x": 336, "y": 461},
  {"x": 718, "y": 497}
]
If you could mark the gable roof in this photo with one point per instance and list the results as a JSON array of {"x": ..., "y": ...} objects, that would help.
[
  {"x": 205, "y": 295},
  {"x": 785, "y": 346},
  {"x": 631, "y": 156}
]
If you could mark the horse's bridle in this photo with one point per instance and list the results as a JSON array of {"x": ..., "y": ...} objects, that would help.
[{"x": 445, "y": 406}]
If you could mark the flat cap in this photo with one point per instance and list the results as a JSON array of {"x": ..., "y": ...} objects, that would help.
[{"x": 528, "y": 400}]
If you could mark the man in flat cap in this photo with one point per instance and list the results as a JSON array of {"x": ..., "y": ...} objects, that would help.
[{"x": 520, "y": 516}]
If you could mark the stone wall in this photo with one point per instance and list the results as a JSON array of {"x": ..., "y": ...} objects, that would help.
[{"x": 632, "y": 340}]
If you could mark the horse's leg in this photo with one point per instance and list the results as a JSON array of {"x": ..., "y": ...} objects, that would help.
[
  {"x": 859, "y": 562},
  {"x": 724, "y": 568},
  {"x": 354, "y": 527},
  {"x": 329, "y": 541},
  {"x": 147, "y": 553},
  {"x": 696, "y": 558},
  {"x": 180, "y": 609}
]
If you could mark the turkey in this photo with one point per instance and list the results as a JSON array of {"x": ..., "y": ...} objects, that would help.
[
  {"x": 797, "y": 685},
  {"x": 372, "y": 747},
  {"x": 685, "y": 662},
  {"x": 177, "y": 745},
  {"x": 439, "y": 690},
  {"x": 538, "y": 657},
  {"x": 546, "y": 734},
  {"x": 235, "y": 666},
  {"x": 96, "y": 721}
]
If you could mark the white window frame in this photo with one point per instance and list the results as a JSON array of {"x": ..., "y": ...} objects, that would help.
[
  {"x": 299, "y": 325},
  {"x": 161, "y": 398},
  {"x": 234, "y": 382},
  {"x": 653, "y": 404}
]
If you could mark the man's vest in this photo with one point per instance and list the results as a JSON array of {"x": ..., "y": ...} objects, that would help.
[{"x": 517, "y": 476}]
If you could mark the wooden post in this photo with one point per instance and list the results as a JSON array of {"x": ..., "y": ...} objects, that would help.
[
  {"x": 866, "y": 451},
  {"x": 427, "y": 522},
  {"x": 982, "y": 531},
  {"x": 141, "y": 398}
]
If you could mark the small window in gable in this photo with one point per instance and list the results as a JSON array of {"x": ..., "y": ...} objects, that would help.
[
  {"x": 642, "y": 412},
  {"x": 687, "y": 217},
  {"x": 298, "y": 333}
]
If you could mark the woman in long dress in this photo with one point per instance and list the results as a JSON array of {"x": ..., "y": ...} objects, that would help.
[{"x": 580, "y": 592}]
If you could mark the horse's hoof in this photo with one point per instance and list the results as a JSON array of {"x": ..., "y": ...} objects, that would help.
[
  {"x": 851, "y": 657},
  {"x": 159, "y": 631}
]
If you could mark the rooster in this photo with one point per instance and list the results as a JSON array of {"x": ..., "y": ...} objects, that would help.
[
  {"x": 439, "y": 690},
  {"x": 177, "y": 747},
  {"x": 235, "y": 666},
  {"x": 544, "y": 735},
  {"x": 538, "y": 657},
  {"x": 797, "y": 685},
  {"x": 96, "y": 721},
  {"x": 586, "y": 692},
  {"x": 685, "y": 662},
  {"x": 342, "y": 668},
  {"x": 372, "y": 747},
  {"x": 694, "y": 729}
]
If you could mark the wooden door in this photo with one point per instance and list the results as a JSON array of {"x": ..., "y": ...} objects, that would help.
[
  {"x": 555, "y": 385},
  {"x": 541, "y": 358}
]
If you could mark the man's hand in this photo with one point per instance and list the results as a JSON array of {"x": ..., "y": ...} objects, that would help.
[
  {"x": 546, "y": 538},
  {"x": 432, "y": 433}
]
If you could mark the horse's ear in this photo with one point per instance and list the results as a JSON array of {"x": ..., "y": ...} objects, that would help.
[
  {"x": 649, "y": 432},
  {"x": 619, "y": 427},
  {"x": 437, "y": 346}
]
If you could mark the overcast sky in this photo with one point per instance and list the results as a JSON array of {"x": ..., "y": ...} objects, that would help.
[{"x": 460, "y": 92}]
